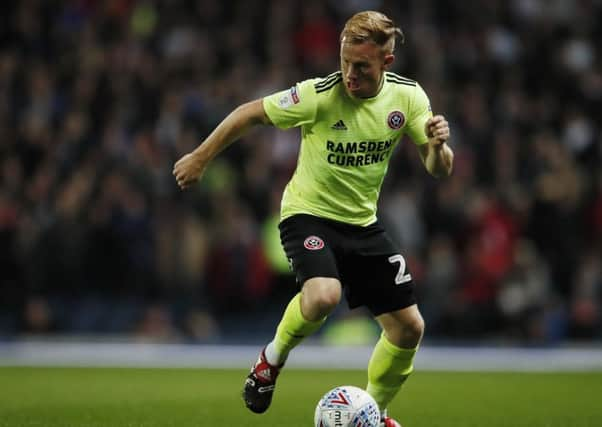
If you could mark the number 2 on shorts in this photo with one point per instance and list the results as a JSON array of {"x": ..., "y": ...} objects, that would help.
[{"x": 401, "y": 276}]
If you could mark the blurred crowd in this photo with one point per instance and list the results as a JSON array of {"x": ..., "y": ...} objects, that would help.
[{"x": 98, "y": 99}]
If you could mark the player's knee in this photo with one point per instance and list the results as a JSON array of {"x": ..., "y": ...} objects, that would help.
[
  {"x": 320, "y": 301},
  {"x": 408, "y": 333},
  {"x": 413, "y": 330},
  {"x": 327, "y": 299}
]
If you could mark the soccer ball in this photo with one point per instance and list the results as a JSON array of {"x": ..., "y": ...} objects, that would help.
[{"x": 347, "y": 406}]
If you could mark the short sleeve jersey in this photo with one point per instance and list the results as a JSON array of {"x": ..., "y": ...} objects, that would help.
[{"x": 346, "y": 143}]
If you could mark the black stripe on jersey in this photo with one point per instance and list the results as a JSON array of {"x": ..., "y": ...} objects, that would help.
[
  {"x": 394, "y": 76},
  {"x": 328, "y": 80},
  {"x": 330, "y": 85},
  {"x": 400, "y": 82}
]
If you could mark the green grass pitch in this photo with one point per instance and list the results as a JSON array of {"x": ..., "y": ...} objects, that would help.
[{"x": 203, "y": 397}]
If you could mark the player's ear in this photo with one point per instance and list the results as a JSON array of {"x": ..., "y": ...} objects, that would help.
[{"x": 388, "y": 60}]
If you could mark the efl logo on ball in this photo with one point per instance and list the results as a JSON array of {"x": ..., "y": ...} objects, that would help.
[{"x": 313, "y": 243}]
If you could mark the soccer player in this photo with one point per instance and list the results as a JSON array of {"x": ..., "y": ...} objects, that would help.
[{"x": 350, "y": 122}]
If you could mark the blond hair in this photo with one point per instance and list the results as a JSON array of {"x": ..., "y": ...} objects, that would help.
[{"x": 372, "y": 26}]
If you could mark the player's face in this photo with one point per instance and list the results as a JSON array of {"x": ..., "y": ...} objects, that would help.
[{"x": 363, "y": 65}]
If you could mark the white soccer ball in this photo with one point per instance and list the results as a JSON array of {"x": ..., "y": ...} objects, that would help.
[{"x": 347, "y": 406}]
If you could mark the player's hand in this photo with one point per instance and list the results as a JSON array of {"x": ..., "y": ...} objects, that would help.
[
  {"x": 188, "y": 169},
  {"x": 437, "y": 130}
]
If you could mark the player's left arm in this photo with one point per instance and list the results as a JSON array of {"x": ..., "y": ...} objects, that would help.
[
  {"x": 430, "y": 135},
  {"x": 437, "y": 156}
]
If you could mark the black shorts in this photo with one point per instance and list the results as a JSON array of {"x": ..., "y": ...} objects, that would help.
[{"x": 366, "y": 262}]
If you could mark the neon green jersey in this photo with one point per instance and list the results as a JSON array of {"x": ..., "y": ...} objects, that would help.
[{"x": 346, "y": 143}]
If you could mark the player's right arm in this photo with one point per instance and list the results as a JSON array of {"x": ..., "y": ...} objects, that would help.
[
  {"x": 192, "y": 165},
  {"x": 285, "y": 109}
]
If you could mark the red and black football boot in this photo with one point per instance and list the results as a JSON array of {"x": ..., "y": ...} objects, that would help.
[
  {"x": 388, "y": 422},
  {"x": 260, "y": 385}
]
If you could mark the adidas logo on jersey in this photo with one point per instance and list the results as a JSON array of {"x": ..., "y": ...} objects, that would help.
[{"x": 339, "y": 126}]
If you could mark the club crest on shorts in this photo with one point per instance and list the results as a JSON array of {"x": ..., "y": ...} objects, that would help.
[
  {"x": 396, "y": 120},
  {"x": 313, "y": 243}
]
